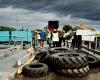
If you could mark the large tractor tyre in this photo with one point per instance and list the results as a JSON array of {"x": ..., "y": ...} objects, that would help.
[
  {"x": 73, "y": 72},
  {"x": 44, "y": 57},
  {"x": 35, "y": 70},
  {"x": 69, "y": 61},
  {"x": 58, "y": 50},
  {"x": 39, "y": 54},
  {"x": 92, "y": 60}
]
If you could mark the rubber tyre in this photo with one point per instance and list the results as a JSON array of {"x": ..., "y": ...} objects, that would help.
[
  {"x": 44, "y": 57},
  {"x": 92, "y": 60},
  {"x": 39, "y": 54},
  {"x": 69, "y": 61},
  {"x": 73, "y": 72},
  {"x": 35, "y": 70},
  {"x": 58, "y": 50}
]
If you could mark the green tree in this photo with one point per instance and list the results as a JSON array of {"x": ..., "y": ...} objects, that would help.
[
  {"x": 5, "y": 28},
  {"x": 66, "y": 28},
  {"x": 75, "y": 28}
]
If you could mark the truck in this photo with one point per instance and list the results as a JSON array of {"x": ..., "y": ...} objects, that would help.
[{"x": 53, "y": 25}]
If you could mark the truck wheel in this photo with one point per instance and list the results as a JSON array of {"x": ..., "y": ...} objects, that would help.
[
  {"x": 35, "y": 70},
  {"x": 69, "y": 61},
  {"x": 73, "y": 72}
]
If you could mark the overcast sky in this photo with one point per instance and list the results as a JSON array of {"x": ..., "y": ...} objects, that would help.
[{"x": 36, "y": 13}]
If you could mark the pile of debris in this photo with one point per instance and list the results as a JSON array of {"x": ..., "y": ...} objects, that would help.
[{"x": 59, "y": 60}]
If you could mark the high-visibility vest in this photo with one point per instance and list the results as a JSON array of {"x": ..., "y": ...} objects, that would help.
[{"x": 55, "y": 36}]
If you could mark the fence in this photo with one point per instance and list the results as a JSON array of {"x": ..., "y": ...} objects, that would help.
[{"x": 6, "y": 36}]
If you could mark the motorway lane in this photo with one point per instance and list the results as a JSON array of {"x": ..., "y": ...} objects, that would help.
[{"x": 7, "y": 63}]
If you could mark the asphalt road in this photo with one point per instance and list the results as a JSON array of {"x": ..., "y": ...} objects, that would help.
[{"x": 7, "y": 63}]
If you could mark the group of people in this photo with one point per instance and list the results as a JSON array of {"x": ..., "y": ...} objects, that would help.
[
  {"x": 59, "y": 38},
  {"x": 62, "y": 38},
  {"x": 41, "y": 37}
]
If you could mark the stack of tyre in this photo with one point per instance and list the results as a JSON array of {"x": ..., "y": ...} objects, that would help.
[{"x": 66, "y": 62}]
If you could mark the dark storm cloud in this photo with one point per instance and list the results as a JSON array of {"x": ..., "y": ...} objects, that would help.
[{"x": 88, "y": 9}]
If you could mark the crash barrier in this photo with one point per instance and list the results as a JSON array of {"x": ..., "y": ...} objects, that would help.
[
  {"x": 91, "y": 52},
  {"x": 9, "y": 51}
]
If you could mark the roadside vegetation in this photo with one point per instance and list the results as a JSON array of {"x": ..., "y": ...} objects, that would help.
[
  {"x": 5, "y": 28},
  {"x": 66, "y": 28}
]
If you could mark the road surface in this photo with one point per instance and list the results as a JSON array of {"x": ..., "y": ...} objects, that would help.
[{"x": 8, "y": 64}]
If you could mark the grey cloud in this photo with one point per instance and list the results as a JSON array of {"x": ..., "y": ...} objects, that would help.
[{"x": 88, "y": 9}]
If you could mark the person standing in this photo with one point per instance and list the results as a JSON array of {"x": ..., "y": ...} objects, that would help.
[
  {"x": 70, "y": 39},
  {"x": 43, "y": 38},
  {"x": 79, "y": 42},
  {"x": 60, "y": 38},
  {"x": 39, "y": 39},
  {"x": 74, "y": 40},
  {"x": 55, "y": 38},
  {"x": 64, "y": 38},
  {"x": 49, "y": 38},
  {"x": 70, "y": 42}
]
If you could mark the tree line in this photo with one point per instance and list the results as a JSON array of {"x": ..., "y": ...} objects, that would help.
[
  {"x": 5, "y": 28},
  {"x": 66, "y": 28}
]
